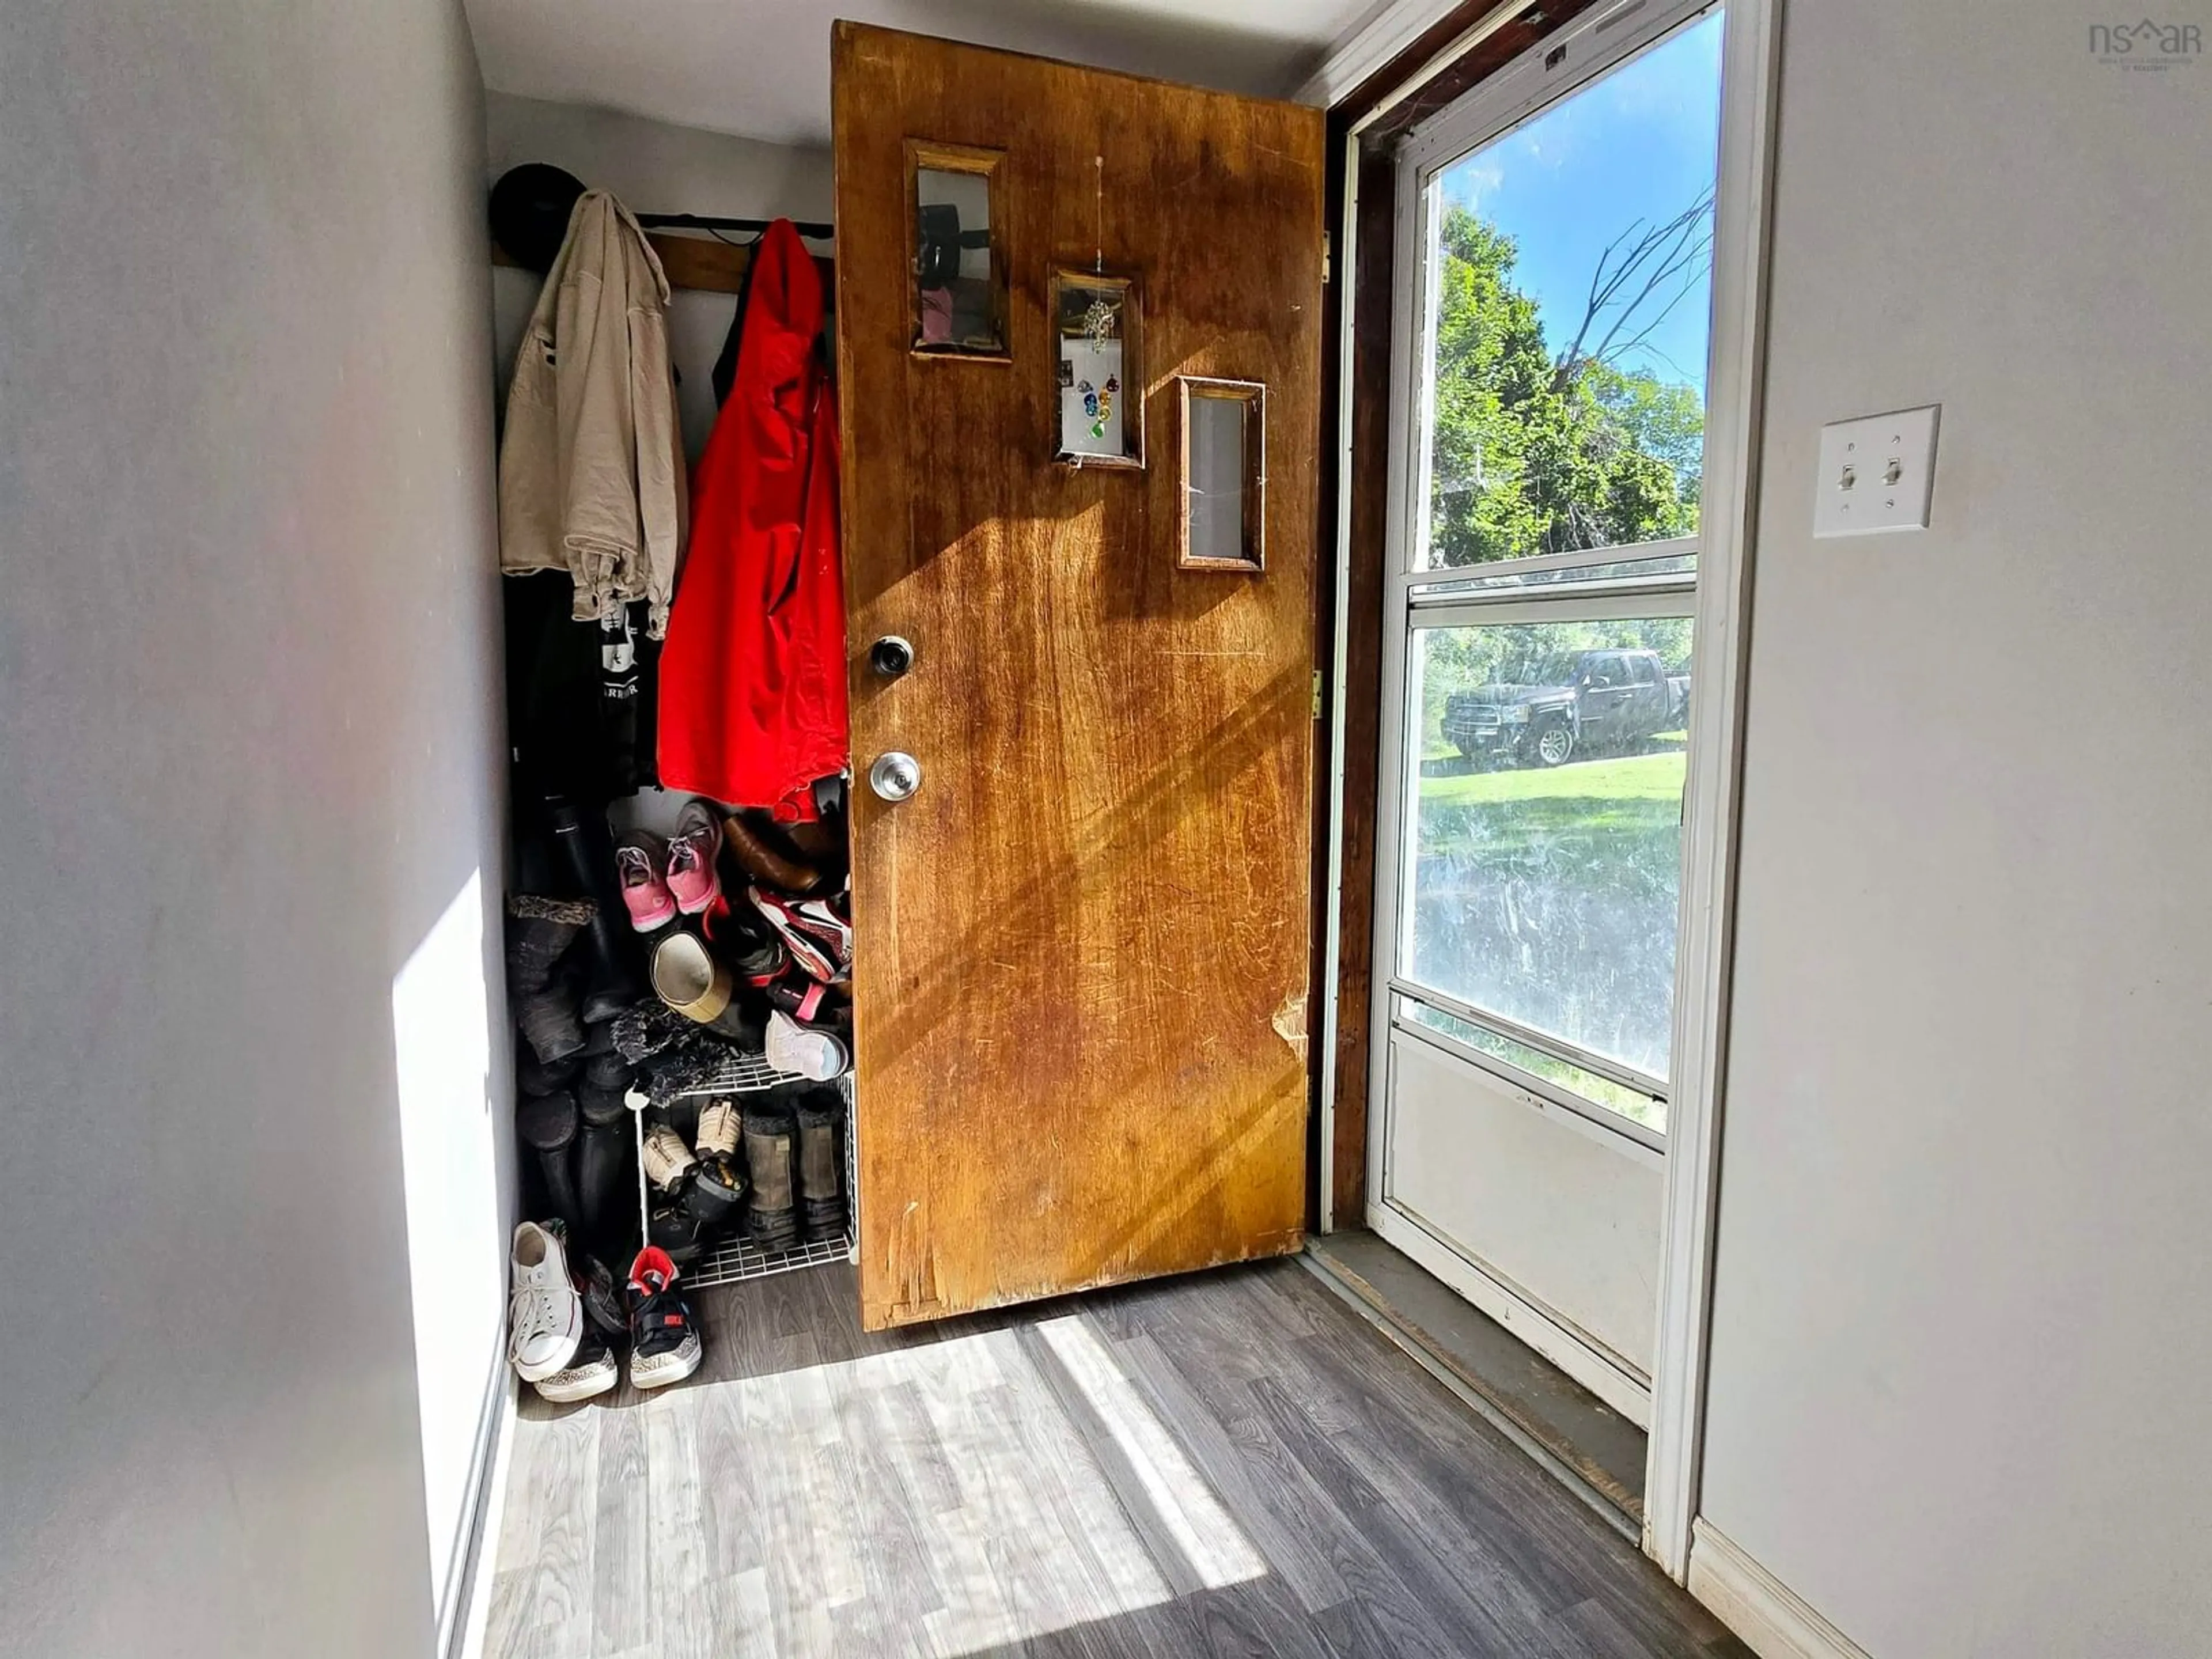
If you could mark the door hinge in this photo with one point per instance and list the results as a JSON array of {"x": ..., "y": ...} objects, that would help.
[
  {"x": 1317, "y": 694},
  {"x": 1327, "y": 252}
]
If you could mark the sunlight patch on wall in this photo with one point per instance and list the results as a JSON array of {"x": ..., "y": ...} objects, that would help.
[{"x": 441, "y": 1021}]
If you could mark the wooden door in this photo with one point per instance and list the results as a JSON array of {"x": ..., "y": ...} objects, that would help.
[{"x": 1081, "y": 951}]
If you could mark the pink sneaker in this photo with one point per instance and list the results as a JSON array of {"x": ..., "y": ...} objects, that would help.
[
  {"x": 691, "y": 856},
  {"x": 640, "y": 862}
]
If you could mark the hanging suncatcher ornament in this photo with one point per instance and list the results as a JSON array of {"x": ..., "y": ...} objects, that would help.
[
  {"x": 1102, "y": 321},
  {"x": 1098, "y": 403}
]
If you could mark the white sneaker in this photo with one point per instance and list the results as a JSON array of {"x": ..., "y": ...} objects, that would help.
[
  {"x": 544, "y": 1315},
  {"x": 804, "y": 1051}
]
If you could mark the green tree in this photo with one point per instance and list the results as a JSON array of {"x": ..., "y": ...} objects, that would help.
[
  {"x": 1533, "y": 453},
  {"x": 1530, "y": 454}
]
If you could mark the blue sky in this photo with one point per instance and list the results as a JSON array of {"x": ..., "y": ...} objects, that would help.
[{"x": 1640, "y": 143}]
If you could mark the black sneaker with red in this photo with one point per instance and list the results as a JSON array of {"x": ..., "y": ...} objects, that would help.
[{"x": 664, "y": 1346}]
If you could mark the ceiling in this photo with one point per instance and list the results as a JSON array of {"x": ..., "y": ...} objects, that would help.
[{"x": 761, "y": 67}]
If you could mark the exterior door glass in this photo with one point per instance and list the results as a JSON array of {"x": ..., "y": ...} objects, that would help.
[
  {"x": 1568, "y": 296},
  {"x": 1546, "y": 841}
]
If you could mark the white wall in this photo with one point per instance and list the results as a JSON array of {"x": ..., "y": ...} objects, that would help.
[
  {"x": 1961, "y": 1319},
  {"x": 249, "y": 774},
  {"x": 654, "y": 169}
]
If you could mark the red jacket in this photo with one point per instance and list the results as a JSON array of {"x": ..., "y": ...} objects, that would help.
[{"x": 752, "y": 677}]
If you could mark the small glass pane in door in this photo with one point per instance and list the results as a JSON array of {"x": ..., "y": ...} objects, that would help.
[
  {"x": 959, "y": 278},
  {"x": 1225, "y": 474},
  {"x": 1099, "y": 372}
]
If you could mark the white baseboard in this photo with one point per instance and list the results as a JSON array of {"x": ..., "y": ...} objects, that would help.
[
  {"x": 466, "y": 1640},
  {"x": 1769, "y": 1617}
]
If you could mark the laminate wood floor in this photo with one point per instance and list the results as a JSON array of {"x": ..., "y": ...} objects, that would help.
[{"x": 1232, "y": 1463}]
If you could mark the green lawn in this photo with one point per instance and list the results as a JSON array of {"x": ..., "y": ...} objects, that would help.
[
  {"x": 1627, "y": 777},
  {"x": 1595, "y": 812},
  {"x": 1550, "y": 896}
]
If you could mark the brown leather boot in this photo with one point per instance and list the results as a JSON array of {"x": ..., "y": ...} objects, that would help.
[{"x": 764, "y": 862}]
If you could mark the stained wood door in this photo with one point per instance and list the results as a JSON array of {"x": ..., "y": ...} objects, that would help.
[{"x": 1081, "y": 951}]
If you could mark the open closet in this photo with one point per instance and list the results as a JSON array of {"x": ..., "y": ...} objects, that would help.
[{"x": 912, "y": 748}]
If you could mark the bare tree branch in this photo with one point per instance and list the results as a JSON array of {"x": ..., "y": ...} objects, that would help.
[{"x": 1629, "y": 282}]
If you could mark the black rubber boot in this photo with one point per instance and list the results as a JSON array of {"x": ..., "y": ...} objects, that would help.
[
  {"x": 541, "y": 991},
  {"x": 612, "y": 982},
  {"x": 603, "y": 1150},
  {"x": 539, "y": 933},
  {"x": 533, "y": 1076},
  {"x": 773, "y": 1221},
  {"x": 547, "y": 1125},
  {"x": 820, "y": 1166},
  {"x": 602, "y": 1182},
  {"x": 676, "y": 1232},
  {"x": 549, "y": 1019},
  {"x": 602, "y": 1091}
]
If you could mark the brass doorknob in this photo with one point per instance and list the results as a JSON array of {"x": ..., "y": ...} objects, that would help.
[{"x": 895, "y": 776}]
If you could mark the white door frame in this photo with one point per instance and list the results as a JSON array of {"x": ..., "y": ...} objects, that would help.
[
  {"x": 1735, "y": 373},
  {"x": 1750, "y": 70}
]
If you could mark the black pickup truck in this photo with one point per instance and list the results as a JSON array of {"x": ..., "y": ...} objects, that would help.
[{"x": 1576, "y": 701}]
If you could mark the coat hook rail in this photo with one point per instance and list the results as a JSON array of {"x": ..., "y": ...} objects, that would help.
[
  {"x": 695, "y": 262},
  {"x": 815, "y": 230}
]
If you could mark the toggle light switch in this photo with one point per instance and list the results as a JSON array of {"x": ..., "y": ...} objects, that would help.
[{"x": 1877, "y": 473}]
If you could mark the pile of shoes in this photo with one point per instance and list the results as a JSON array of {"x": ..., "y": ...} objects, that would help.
[
  {"x": 747, "y": 942},
  {"x": 566, "y": 1327},
  {"x": 572, "y": 972},
  {"x": 761, "y": 956},
  {"x": 768, "y": 1168}
]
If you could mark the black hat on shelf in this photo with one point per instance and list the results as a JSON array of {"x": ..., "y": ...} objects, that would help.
[{"x": 530, "y": 209}]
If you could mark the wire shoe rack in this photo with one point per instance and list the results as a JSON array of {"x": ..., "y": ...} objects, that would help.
[{"x": 735, "y": 1259}]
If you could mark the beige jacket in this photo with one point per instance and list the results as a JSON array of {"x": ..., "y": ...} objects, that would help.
[{"x": 591, "y": 469}]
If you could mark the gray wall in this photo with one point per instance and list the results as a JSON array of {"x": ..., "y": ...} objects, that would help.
[
  {"x": 249, "y": 758},
  {"x": 1961, "y": 1314}
]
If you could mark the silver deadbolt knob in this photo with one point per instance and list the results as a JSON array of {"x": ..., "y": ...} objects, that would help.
[
  {"x": 891, "y": 656},
  {"x": 895, "y": 776}
]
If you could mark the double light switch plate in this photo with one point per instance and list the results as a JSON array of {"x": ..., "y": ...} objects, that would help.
[{"x": 1876, "y": 473}]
